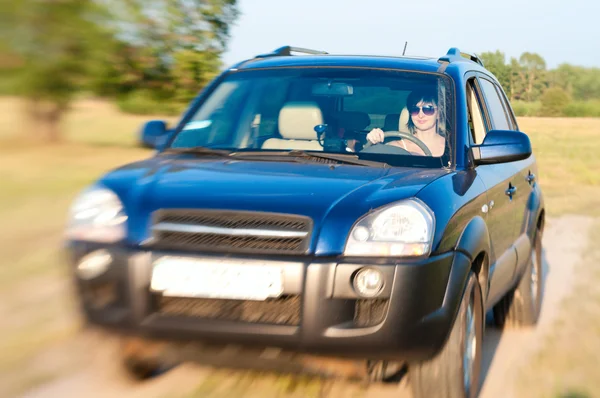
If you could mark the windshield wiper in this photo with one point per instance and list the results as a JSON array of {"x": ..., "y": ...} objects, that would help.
[
  {"x": 199, "y": 150},
  {"x": 297, "y": 154},
  {"x": 336, "y": 157}
]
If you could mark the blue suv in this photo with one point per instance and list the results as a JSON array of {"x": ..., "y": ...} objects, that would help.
[{"x": 367, "y": 208}]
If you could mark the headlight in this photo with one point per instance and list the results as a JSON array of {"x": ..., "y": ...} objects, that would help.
[
  {"x": 402, "y": 229},
  {"x": 97, "y": 215}
]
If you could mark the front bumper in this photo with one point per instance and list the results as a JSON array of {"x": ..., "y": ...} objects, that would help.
[{"x": 422, "y": 298}]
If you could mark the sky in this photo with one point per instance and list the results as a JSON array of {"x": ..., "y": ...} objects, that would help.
[{"x": 560, "y": 31}]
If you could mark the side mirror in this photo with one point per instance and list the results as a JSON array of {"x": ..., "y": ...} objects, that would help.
[
  {"x": 502, "y": 146},
  {"x": 155, "y": 134}
]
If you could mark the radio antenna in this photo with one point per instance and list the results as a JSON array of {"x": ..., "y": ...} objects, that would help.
[{"x": 405, "y": 44}]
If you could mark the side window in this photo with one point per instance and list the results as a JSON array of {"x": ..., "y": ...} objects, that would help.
[
  {"x": 476, "y": 123},
  {"x": 511, "y": 115},
  {"x": 494, "y": 105}
]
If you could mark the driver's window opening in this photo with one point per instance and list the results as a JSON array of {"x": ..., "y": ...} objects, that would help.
[{"x": 328, "y": 111}]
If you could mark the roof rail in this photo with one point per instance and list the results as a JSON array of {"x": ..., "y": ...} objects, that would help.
[
  {"x": 454, "y": 54},
  {"x": 287, "y": 50}
]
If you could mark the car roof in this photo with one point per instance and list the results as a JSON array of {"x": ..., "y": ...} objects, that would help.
[
  {"x": 282, "y": 57},
  {"x": 369, "y": 61}
]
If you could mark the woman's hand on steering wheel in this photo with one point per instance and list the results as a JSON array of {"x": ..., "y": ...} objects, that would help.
[{"x": 377, "y": 136}]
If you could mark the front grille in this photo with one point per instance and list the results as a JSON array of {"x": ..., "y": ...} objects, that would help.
[
  {"x": 232, "y": 219},
  {"x": 370, "y": 312},
  {"x": 281, "y": 311},
  {"x": 182, "y": 240},
  {"x": 231, "y": 231}
]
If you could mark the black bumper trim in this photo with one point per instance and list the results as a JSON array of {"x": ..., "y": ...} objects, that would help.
[{"x": 424, "y": 296}]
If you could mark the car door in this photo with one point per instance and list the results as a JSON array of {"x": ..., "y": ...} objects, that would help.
[
  {"x": 499, "y": 180},
  {"x": 525, "y": 180}
]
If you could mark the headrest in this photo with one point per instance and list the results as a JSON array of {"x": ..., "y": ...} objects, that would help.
[
  {"x": 403, "y": 122},
  {"x": 297, "y": 120},
  {"x": 353, "y": 120}
]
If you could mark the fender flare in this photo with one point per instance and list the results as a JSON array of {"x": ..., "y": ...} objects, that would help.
[{"x": 473, "y": 240}]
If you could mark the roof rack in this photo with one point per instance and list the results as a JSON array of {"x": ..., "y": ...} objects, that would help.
[
  {"x": 454, "y": 54},
  {"x": 287, "y": 50}
]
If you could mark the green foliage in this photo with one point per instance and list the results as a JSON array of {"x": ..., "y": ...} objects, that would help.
[
  {"x": 583, "y": 109},
  {"x": 192, "y": 70},
  {"x": 52, "y": 50},
  {"x": 527, "y": 78},
  {"x": 170, "y": 47},
  {"x": 144, "y": 102},
  {"x": 533, "y": 75},
  {"x": 554, "y": 102},
  {"x": 572, "y": 109},
  {"x": 523, "y": 108},
  {"x": 54, "y": 45}
]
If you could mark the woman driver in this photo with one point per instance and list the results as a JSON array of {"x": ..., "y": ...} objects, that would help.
[{"x": 422, "y": 123}]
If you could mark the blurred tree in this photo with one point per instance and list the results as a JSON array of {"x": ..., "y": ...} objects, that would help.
[
  {"x": 517, "y": 80},
  {"x": 533, "y": 75},
  {"x": 586, "y": 85},
  {"x": 565, "y": 77},
  {"x": 554, "y": 102},
  {"x": 59, "y": 48},
  {"x": 55, "y": 43},
  {"x": 171, "y": 48}
]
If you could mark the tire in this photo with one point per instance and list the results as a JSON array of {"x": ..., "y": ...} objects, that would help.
[
  {"x": 140, "y": 369},
  {"x": 444, "y": 376},
  {"x": 139, "y": 360},
  {"x": 521, "y": 307}
]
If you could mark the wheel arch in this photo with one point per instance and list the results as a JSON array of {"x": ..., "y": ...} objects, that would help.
[
  {"x": 536, "y": 213},
  {"x": 474, "y": 242}
]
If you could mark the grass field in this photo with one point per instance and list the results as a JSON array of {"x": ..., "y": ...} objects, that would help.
[{"x": 38, "y": 182}]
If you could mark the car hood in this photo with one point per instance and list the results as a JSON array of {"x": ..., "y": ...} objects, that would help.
[{"x": 312, "y": 189}]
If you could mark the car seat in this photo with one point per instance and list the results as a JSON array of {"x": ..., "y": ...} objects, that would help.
[
  {"x": 296, "y": 122},
  {"x": 397, "y": 122}
]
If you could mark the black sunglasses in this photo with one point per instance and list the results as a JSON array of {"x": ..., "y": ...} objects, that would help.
[{"x": 428, "y": 110}]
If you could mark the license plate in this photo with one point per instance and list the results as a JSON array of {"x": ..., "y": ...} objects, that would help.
[{"x": 189, "y": 277}]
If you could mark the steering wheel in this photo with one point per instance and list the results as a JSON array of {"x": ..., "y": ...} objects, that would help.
[{"x": 398, "y": 135}]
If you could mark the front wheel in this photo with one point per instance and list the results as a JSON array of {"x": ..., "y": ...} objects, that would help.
[
  {"x": 141, "y": 359},
  {"x": 455, "y": 370}
]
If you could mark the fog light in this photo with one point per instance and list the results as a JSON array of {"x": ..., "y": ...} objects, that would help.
[
  {"x": 368, "y": 282},
  {"x": 94, "y": 264}
]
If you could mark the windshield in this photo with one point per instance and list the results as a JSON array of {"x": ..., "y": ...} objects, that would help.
[{"x": 398, "y": 117}]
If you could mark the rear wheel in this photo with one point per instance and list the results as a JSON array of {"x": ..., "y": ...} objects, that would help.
[
  {"x": 521, "y": 306},
  {"x": 455, "y": 370}
]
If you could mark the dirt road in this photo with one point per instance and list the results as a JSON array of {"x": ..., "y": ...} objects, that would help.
[{"x": 504, "y": 352}]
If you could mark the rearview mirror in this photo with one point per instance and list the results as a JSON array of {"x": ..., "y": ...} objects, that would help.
[
  {"x": 155, "y": 134},
  {"x": 334, "y": 89},
  {"x": 502, "y": 146}
]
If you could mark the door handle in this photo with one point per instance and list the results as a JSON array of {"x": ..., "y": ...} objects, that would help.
[
  {"x": 530, "y": 178},
  {"x": 511, "y": 191}
]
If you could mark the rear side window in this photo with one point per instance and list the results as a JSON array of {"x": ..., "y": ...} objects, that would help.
[
  {"x": 494, "y": 105},
  {"x": 511, "y": 115}
]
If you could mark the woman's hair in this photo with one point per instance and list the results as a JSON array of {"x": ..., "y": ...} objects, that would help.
[{"x": 425, "y": 95}]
